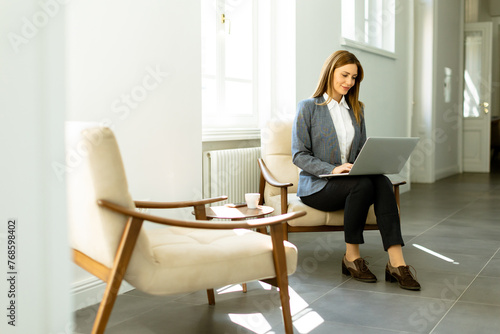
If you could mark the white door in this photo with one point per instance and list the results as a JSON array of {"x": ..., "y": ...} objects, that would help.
[{"x": 477, "y": 97}]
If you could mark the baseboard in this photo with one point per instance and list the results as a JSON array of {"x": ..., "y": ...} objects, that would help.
[
  {"x": 448, "y": 171},
  {"x": 90, "y": 291}
]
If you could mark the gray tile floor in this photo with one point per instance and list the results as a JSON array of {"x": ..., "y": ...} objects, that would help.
[{"x": 452, "y": 234}]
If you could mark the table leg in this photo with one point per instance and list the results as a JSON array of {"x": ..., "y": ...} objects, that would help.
[{"x": 262, "y": 230}]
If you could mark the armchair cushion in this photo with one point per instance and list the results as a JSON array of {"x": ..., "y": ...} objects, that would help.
[
  {"x": 276, "y": 148},
  {"x": 193, "y": 259},
  {"x": 96, "y": 231}
]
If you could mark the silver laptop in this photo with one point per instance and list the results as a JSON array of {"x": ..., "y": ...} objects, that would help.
[{"x": 381, "y": 155}]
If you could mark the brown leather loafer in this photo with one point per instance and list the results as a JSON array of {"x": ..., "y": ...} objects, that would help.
[
  {"x": 358, "y": 270},
  {"x": 402, "y": 275}
]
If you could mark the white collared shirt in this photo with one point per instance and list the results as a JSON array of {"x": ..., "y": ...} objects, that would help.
[{"x": 343, "y": 125}]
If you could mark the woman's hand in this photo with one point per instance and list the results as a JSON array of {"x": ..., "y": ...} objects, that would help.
[{"x": 345, "y": 168}]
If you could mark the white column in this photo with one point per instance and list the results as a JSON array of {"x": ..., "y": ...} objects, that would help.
[{"x": 32, "y": 107}]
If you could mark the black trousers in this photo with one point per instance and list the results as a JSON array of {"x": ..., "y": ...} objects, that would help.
[{"x": 355, "y": 194}]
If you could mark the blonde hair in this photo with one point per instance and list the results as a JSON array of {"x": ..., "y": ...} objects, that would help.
[{"x": 335, "y": 60}]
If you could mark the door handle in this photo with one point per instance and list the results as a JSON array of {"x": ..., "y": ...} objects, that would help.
[{"x": 485, "y": 106}]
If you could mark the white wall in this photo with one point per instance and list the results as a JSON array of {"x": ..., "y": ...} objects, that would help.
[
  {"x": 495, "y": 99},
  {"x": 489, "y": 11},
  {"x": 113, "y": 49},
  {"x": 448, "y": 53},
  {"x": 32, "y": 104},
  {"x": 438, "y": 44},
  {"x": 384, "y": 89},
  {"x": 494, "y": 7},
  {"x": 423, "y": 116},
  {"x": 317, "y": 36},
  {"x": 283, "y": 55},
  {"x": 387, "y": 87},
  {"x": 484, "y": 9}
]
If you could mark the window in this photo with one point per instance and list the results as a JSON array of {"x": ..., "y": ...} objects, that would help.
[
  {"x": 369, "y": 25},
  {"x": 229, "y": 64},
  {"x": 248, "y": 66}
]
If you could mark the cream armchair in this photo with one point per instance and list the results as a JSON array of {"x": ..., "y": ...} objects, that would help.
[
  {"x": 279, "y": 179},
  {"x": 108, "y": 239}
]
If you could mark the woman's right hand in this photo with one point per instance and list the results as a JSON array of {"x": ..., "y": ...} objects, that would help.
[{"x": 344, "y": 168}]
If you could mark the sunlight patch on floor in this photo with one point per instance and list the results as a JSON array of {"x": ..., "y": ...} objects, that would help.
[
  {"x": 297, "y": 303},
  {"x": 308, "y": 321},
  {"x": 230, "y": 288},
  {"x": 265, "y": 286},
  {"x": 305, "y": 319},
  {"x": 442, "y": 257},
  {"x": 255, "y": 322}
]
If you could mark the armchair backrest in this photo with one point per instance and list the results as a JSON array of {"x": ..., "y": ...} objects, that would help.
[
  {"x": 276, "y": 148},
  {"x": 96, "y": 231}
]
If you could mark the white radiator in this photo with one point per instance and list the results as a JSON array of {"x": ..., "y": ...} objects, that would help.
[{"x": 232, "y": 173}]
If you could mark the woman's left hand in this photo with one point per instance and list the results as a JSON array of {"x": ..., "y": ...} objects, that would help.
[{"x": 344, "y": 168}]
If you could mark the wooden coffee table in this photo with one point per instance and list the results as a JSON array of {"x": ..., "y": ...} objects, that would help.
[{"x": 237, "y": 213}]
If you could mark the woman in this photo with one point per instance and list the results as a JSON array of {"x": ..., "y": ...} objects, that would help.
[{"x": 328, "y": 133}]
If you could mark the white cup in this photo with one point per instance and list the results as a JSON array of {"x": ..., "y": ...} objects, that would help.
[{"x": 252, "y": 200}]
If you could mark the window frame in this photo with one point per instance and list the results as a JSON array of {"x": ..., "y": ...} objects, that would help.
[
  {"x": 224, "y": 125},
  {"x": 360, "y": 22}
]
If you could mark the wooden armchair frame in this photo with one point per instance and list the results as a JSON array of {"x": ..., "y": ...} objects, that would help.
[
  {"x": 267, "y": 177},
  {"x": 114, "y": 276}
]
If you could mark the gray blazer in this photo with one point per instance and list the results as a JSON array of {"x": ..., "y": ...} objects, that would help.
[{"x": 315, "y": 146}]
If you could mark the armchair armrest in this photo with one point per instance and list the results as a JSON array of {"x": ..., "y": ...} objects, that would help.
[
  {"x": 204, "y": 224},
  {"x": 175, "y": 205},
  {"x": 266, "y": 173},
  {"x": 397, "y": 183},
  {"x": 266, "y": 176},
  {"x": 396, "y": 180}
]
